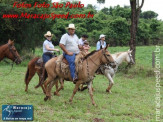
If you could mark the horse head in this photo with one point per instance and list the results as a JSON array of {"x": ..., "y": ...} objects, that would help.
[
  {"x": 129, "y": 58},
  {"x": 107, "y": 58},
  {"x": 12, "y": 53}
]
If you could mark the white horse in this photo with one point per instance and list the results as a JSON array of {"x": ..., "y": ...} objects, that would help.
[{"x": 109, "y": 72}]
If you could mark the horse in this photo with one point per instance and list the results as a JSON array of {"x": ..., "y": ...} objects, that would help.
[
  {"x": 9, "y": 51},
  {"x": 109, "y": 72},
  {"x": 90, "y": 64},
  {"x": 32, "y": 69}
]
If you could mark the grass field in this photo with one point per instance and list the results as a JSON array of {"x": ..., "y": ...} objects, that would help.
[{"x": 132, "y": 98}]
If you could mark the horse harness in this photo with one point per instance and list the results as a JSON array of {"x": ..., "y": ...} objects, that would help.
[
  {"x": 90, "y": 78},
  {"x": 10, "y": 49}
]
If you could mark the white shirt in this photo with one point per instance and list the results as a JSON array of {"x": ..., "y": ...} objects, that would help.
[
  {"x": 81, "y": 42},
  {"x": 49, "y": 43},
  {"x": 71, "y": 43}
]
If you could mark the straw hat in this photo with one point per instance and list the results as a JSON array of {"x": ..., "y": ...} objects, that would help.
[
  {"x": 72, "y": 26},
  {"x": 48, "y": 34},
  {"x": 101, "y": 36}
]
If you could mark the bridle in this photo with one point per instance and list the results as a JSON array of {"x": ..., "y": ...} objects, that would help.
[
  {"x": 103, "y": 52},
  {"x": 131, "y": 59},
  {"x": 16, "y": 58}
]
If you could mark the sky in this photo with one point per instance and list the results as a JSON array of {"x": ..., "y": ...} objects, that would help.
[{"x": 154, "y": 5}]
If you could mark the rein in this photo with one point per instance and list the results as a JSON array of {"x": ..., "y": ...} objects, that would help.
[{"x": 12, "y": 64}]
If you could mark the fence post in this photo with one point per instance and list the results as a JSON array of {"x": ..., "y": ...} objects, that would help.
[{"x": 153, "y": 59}]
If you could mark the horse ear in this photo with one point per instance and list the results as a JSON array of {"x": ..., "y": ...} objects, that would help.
[
  {"x": 130, "y": 50},
  {"x": 10, "y": 42},
  {"x": 106, "y": 46}
]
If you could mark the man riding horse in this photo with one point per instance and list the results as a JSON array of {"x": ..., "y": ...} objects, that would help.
[{"x": 69, "y": 43}]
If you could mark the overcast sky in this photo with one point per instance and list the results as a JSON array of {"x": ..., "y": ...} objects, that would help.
[{"x": 154, "y": 5}]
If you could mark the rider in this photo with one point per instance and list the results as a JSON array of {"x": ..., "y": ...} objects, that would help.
[
  {"x": 86, "y": 47},
  {"x": 101, "y": 43},
  {"x": 83, "y": 39},
  {"x": 48, "y": 47},
  {"x": 69, "y": 43}
]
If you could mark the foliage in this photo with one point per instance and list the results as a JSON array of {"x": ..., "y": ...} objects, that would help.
[{"x": 113, "y": 21}]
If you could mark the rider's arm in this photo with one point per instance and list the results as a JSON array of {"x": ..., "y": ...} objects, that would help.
[
  {"x": 62, "y": 46},
  {"x": 50, "y": 49},
  {"x": 98, "y": 45}
]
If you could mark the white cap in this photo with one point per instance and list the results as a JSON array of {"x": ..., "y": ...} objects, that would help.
[
  {"x": 72, "y": 26},
  {"x": 102, "y": 35}
]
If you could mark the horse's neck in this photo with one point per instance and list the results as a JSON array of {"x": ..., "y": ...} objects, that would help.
[
  {"x": 94, "y": 62},
  {"x": 120, "y": 58},
  {"x": 2, "y": 51}
]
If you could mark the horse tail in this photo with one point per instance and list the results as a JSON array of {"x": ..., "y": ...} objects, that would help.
[
  {"x": 43, "y": 78},
  {"x": 26, "y": 75}
]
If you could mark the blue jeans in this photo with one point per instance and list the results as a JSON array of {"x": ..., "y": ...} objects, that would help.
[
  {"x": 71, "y": 61},
  {"x": 47, "y": 56}
]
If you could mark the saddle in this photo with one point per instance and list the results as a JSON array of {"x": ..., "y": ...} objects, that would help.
[
  {"x": 39, "y": 63},
  {"x": 63, "y": 66}
]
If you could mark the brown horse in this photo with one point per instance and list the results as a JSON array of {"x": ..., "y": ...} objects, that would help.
[
  {"x": 32, "y": 69},
  {"x": 9, "y": 51},
  {"x": 91, "y": 63}
]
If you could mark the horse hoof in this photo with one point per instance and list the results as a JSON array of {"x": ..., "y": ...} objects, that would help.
[
  {"x": 70, "y": 101},
  {"x": 109, "y": 91},
  {"x": 57, "y": 94},
  {"x": 94, "y": 104},
  {"x": 46, "y": 98}
]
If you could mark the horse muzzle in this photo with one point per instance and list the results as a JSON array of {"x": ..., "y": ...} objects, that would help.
[
  {"x": 113, "y": 64},
  {"x": 18, "y": 61}
]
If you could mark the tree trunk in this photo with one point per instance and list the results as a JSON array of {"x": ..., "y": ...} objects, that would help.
[
  {"x": 135, "y": 11},
  {"x": 133, "y": 28}
]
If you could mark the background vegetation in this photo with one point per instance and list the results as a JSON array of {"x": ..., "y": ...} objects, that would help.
[{"x": 113, "y": 21}]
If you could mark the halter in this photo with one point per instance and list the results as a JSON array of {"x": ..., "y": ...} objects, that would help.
[
  {"x": 10, "y": 49},
  {"x": 103, "y": 52},
  {"x": 130, "y": 56}
]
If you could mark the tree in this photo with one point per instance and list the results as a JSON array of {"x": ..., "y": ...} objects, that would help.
[
  {"x": 135, "y": 11},
  {"x": 148, "y": 15}
]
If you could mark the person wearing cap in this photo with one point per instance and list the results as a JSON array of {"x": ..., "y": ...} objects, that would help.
[
  {"x": 69, "y": 43},
  {"x": 48, "y": 47},
  {"x": 83, "y": 39},
  {"x": 101, "y": 43}
]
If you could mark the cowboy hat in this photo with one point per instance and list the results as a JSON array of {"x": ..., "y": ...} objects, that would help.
[
  {"x": 72, "y": 26},
  {"x": 101, "y": 36},
  {"x": 48, "y": 34}
]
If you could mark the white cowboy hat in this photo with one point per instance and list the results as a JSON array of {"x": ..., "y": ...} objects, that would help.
[
  {"x": 72, "y": 26},
  {"x": 101, "y": 36},
  {"x": 48, "y": 34}
]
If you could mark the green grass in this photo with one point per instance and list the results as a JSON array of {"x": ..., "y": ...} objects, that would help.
[{"x": 132, "y": 98}]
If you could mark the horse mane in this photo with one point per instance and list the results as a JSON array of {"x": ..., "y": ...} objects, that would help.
[{"x": 91, "y": 53}]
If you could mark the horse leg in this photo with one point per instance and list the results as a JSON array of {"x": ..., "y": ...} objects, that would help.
[
  {"x": 57, "y": 90},
  {"x": 91, "y": 93},
  {"x": 47, "y": 81},
  {"x": 62, "y": 84},
  {"x": 111, "y": 82},
  {"x": 29, "y": 75},
  {"x": 75, "y": 90},
  {"x": 51, "y": 84},
  {"x": 39, "y": 72}
]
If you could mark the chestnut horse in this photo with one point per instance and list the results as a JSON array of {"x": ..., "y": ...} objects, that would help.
[
  {"x": 32, "y": 69},
  {"x": 9, "y": 51},
  {"x": 90, "y": 64}
]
